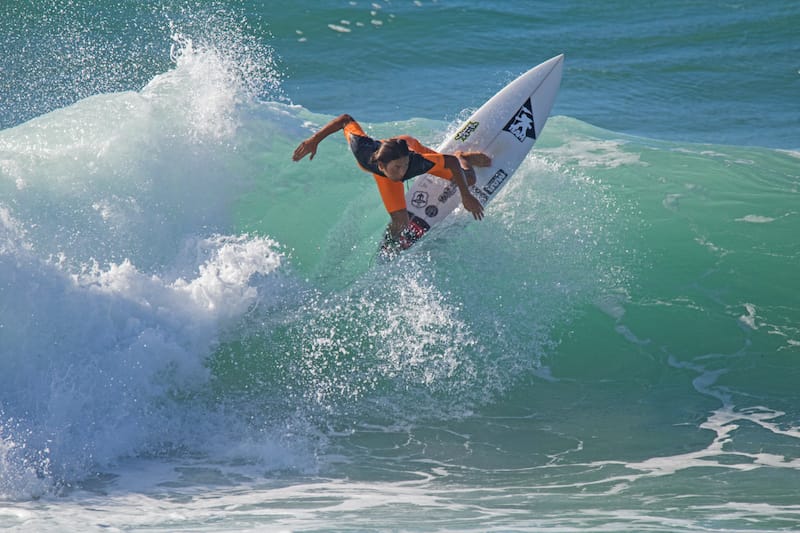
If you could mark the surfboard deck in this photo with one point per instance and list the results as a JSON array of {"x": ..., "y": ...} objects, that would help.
[{"x": 505, "y": 128}]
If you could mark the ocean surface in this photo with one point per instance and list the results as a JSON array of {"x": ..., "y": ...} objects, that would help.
[{"x": 195, "y": 336}]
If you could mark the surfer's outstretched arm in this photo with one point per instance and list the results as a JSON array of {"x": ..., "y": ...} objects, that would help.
[
  {"x": 462, "y": 172},
  {"x": 309, "y": 146}
]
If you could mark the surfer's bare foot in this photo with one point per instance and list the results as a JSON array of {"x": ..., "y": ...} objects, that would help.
[{"x": 477, "y": 159}]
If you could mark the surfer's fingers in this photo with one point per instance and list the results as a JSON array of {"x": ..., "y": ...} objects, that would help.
[{"x": 302, "y": 150}]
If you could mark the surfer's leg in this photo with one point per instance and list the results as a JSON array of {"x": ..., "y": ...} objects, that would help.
[
  {"x": 472, "y": 159},
  {"x": 477, "y": 159}
]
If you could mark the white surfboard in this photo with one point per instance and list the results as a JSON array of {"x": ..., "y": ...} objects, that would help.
[{"x": 505, "y": 128}]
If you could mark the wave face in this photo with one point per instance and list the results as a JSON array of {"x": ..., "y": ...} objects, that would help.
[{"x": 188, "y": 315}]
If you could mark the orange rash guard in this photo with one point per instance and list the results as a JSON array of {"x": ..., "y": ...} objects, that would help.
[{"x": 421, "y": 160}]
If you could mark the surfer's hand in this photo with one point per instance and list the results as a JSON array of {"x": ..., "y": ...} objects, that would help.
[
  {"x": 472, "y": 205},
  {"x": 309, "y": 146}
]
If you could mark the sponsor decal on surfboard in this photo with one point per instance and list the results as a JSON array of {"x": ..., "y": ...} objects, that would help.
[
  {"x": 480, "y": 194},
  {"x": 496, "y": 181},
  {"x": 521, "y": 124},
  {"x": 468, "y": 129},
  {"x": 420, "y": 199},
  {"x": 447, "y": 193}
]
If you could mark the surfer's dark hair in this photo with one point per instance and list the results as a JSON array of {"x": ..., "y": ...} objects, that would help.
[{"x": 389, "y": 151}]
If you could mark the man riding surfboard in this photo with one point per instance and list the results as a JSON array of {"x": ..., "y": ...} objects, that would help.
[{"x": 395, "y": 160}]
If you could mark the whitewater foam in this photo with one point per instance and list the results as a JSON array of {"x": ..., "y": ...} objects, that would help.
[
  {"x": 94, "y": 357},
  {"x": 121, "y": 270}
]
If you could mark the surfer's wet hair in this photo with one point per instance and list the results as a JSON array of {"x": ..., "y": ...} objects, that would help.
[{"x": 389, "y": 151}]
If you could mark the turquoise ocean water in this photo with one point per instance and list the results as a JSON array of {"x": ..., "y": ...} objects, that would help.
[{"x": 194, "y": 335}]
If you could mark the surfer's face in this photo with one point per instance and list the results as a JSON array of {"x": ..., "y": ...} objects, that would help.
[{"x": 395, "y": 169}]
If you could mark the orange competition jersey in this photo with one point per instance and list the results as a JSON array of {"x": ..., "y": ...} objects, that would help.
[{"x": 421, "y": 160}]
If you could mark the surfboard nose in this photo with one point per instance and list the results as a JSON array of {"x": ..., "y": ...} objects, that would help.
[{"x": 559, "y": 59}]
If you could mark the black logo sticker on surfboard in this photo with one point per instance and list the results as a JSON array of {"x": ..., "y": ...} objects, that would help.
[
  {"x": 447, "y": 193},
  {"x": 420, "y": 199},
  {"x": 497, "y": 180},
  {"x": 521, "y": 124}
]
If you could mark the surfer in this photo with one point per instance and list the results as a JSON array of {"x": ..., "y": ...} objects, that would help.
[{"x": 393, "y": 161}]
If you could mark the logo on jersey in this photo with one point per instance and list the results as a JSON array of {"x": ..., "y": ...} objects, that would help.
[
  {"x": 521, "y": 124},
  {"x": 420, "y": 199},
  {"x": 464, "y": 133}
]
